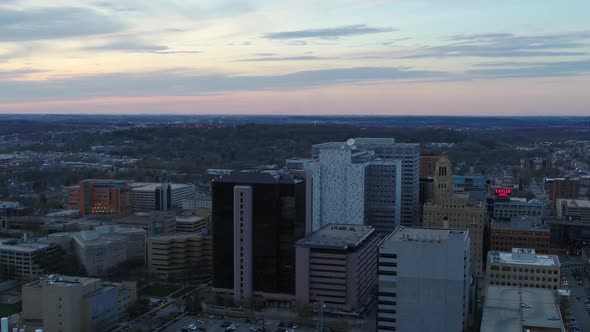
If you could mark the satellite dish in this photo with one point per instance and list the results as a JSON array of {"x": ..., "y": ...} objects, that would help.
[{"x": 350, "y": 142}]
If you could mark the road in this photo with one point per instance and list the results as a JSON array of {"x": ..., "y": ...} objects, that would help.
[
  {"x": 577, "y": 307},
  {"x": 214, "y": 325}
]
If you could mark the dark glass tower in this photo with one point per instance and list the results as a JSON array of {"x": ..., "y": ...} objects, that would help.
[{"x": 257, "y": 219}]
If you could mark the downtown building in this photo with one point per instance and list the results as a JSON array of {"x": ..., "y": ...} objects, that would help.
[
  {"x": 99, "y": 197},
  {"x": 180, "y": 257},
  {"x": 424, "y": 281},
  {"x": 257, "y": 217},
  {"x": 146, "y": 196},
  {"x": 371, "y": 181},
  {"x": 455, "y": 210},
  {"x": 523, "y": 267}
]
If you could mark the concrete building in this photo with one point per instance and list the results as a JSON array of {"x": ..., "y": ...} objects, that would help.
[
  {"x": 424, "y": 280},
  {"x": 191, "y": 223},
  {"x": 338, "y": 266},
  {"x": 536, "y": 163},
  {"x": 574, "y": 209},
  {"x": 566, "y": 187},
  {"x": 99, "y": 197},
  {"x": 21, "y": 259},
  {"x": 257, "y": 217},
  {"x": 147, "y": 196},
  {"x": 154, "y": 223},
  {"x": 523, "y": 268},
  {"x": 455, "y": 210},
  {"x": 75, "y": 304},
  {"x": 362, "y": 182},
  {"x": 506, "y": 208},
  {"x": 428, "y": 165},
  {"x": 520, "y": 232},
  {"x": 108, "y": 246},
  {"x": 517, "y": 309},
  {"x": 180, "y": 257}
]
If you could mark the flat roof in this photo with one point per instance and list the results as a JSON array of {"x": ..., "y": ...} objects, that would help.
[
  {"x": 151, "y": 186},
  {"x": 524, "y": 222},
  {"x": 575, "y": 203},
  {"x": 62, "y": 281},
  {"x": 410, "y": 234},
  {"x": 337, "y": 236},
  {"x": 12, "y": 244},
  {"x": 512, "y": 309},
  {"x": 520, "y": 256}
]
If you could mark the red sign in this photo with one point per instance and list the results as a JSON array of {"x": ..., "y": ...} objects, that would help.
[{"x": 502, "y": 192}]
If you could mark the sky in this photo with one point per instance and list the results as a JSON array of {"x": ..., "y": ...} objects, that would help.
[{"x": 301, "y": 57}]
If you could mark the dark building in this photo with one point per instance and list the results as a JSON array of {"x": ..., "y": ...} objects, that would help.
[
  {"x": 566, "y": 187},
  {"x": 257, "y": 217}
]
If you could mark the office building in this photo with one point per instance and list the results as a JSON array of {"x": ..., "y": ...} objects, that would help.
[
  {"x": 517, "y": 309},
  {"x": 191, "y": 223},
  {"x": 506, "y": 208},
  {"x": 111, "y": 197},
  {"x": 338, "y": 266},
  {"x": 520, "y": 232},
  {"x": 75, "y": 304},
  {"x": 180, "y": 257},
  {"x": 574, "y": 210},
  {"x": 21, "y": 258},
  {"x": 428, "y": 165},
  {"x": 566, "y": 187},
  {"x": 154, "y": 223},
  {"x": 147, "y": 197},
  {"x": 524, "y": 268},
  {"x": 455, "y": 210},
  {"x": 536, "y": 163},
  {"x": 257, "y": 217},
  {"x": 424, "y": 280},
  {"x": 363, "y": 181},
  {"x": 105, "y": 247}
]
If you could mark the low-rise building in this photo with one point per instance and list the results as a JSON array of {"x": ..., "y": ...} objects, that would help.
[
  {"x": 191, "y": 223},
  {"x": 523, "y": 268},
  {"x": 75, "y": 304},
  {"x": 520, "y": 232},
  {"x": 147, "y": 196},
  {"x": 180, "y": 257},
  {"x": 517, "y": 309},
  {"x": 506, "y": 209},
  {"x": 574, "y": 209},
  {"x": 337, "y": 265},
  {"x": 22, "y": 259},
  {"x": 155, "y": 223}
]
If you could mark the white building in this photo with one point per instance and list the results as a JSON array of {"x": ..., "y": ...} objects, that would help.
[
  {"x": 524, "y": 268},
  {"x": 159, "y": 196},
  {"x": 424, "y": 280},
  {"x": 359, "y": 182}
]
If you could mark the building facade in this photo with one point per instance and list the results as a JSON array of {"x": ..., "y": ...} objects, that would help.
[
  {"x": 475, "y": 185},
  {"x": 180, "y": 257},
  {"x": 110, "y": 197},
  {"x": 154, "y": 223},
  {"x": 337, "y": 265},
  {"x": 520, "y": 232},
  {"x": 455, "y": 210},
  {"x": 22, "y": 259},
  {"x": 75, "y": 304},
  {"x": 566, "y": 187},
  {"x": 257, "y": 217},
  {"x": 424, "y": 281},
  {"x": 523, "y": 268},
  {"x": 574, "y": 209},
  {"x": 507, "y": 208},
  {"x": 147, "y": 196}
]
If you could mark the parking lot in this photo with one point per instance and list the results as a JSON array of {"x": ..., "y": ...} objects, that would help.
[{"x": 217, "y": 324}]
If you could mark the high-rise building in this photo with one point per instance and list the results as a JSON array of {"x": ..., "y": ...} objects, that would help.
[
  {"x": 337, "y": 265},
  {"x": 524, "y": 268},
  {"x": 566, "y": 187},
  {"x": 370, "y": 181},
  {"x": 455, "y": 210},
  {"x": 428, "y": 165},
  {"x": 476, "y": 185},
  {"x": 75, "y": 304},
  {"x": 99, "y": 197},
  {"x": 159, "y": 196},
  {"x": 257, "y": 218},
  {"x": 424, "y": 280},
  {"x": 180, "y": 257}
]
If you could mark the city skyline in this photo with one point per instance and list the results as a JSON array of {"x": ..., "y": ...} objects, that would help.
[{"x": 377, "y": 57}]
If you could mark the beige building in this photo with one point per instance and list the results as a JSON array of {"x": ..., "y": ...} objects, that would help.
[
  {"x": 338, "y": 265},
  {"x": 191, "y": 223},
  {"x": 155, "y": 223},
  {"x": 146, "y": 196},
  {"x": 574, "y": 209},
  {"x": 75, "y": 304},
  {"x": 523, "y": 268},
  {"x": 180, "y": 257},
  {"x": 454, "y": 210}
]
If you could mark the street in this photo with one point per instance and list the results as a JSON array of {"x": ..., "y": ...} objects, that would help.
[
  {"x": 214, "y": 325},
  {"x": 577, "y": 306}
]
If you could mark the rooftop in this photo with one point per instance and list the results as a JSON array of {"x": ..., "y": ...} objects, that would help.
[
  {"x": 151, "y": 186},
  {"x": 522, "y": 223},
  {"x": 62, "y": 281},
  {"x": 408, "y": 234},
  {"x": 522, "y": 256},
  {"x": 258, "y": 177},
  {"x": 514, "y": 309},
  {"x": 575, "y": 203},
  {"x": 337, "y": 236},
  {"x": 13, "y": 244}
]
